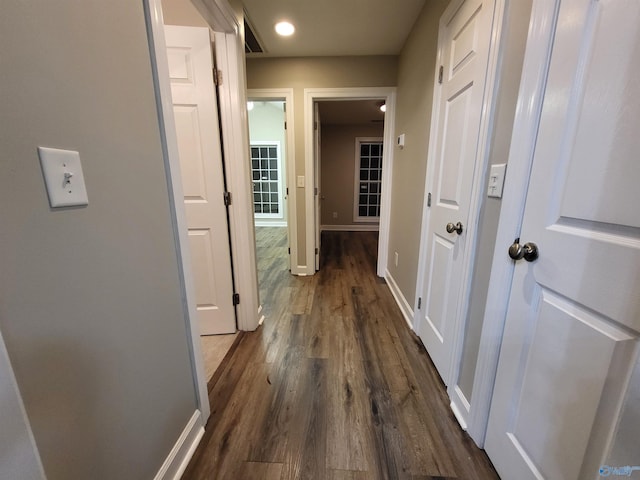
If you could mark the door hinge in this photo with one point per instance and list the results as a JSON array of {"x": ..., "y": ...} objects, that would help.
[
  {"x": 315, "y": 191},
  {"x": 285, "y": 125},
  {"x": 217, "y": 77},
  {"x": 440, "y": 74},
  {"x": 315, "y": 125},
  {"x": 236, "y": 299},
  {"x": 317, "y": 251},
  {"x": 289, "y": 249},
  {"x": 429, "y": 199},
  {"x": 287, "y": 191},
  {"x": 419, "y": 302},
  {"x": 227, "y": 198}
]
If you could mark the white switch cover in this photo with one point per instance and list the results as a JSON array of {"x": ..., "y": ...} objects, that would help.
[
  {"x": 63, "y": 176},
  {"x": 300, "y": 181},
  {"x": 496, "y": 180}
]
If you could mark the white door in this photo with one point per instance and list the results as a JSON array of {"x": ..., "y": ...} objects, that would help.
[
  {"x": 571, "y": 334},
  {"x": 317, "y": 194},
  {"x": 463, "y": 46},
  {"x": 196, "y": 117}
]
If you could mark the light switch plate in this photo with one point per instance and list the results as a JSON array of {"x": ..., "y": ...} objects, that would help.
[
  {"x": 496, "y": 180},
  {"x": 300, "y": 181},
  {"x": 63, "y": 176}
]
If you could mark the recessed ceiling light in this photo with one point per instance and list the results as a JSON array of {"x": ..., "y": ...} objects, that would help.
[
  {"x": 383, "y": 107},
  {"x": 285, "y": 29}
]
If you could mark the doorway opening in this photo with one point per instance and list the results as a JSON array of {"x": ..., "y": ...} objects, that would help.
[
  {"x": 271, "y": 146},
  {"x": 313, "y": 98},
  {"x": 269, "y": 154},
  {"x": 349, "y": 159}
]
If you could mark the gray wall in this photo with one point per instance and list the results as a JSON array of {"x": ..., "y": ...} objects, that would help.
[
  {"x": 90, "y": 302},
  {"x": 516, "y": 27}
]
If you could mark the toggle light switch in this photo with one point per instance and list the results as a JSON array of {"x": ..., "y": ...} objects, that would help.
[
  {"x": 496, "y": 180},
  {"x": 63, "y": 176}
]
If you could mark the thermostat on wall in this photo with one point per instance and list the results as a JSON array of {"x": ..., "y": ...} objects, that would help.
[{"x": 401, "y": 140}]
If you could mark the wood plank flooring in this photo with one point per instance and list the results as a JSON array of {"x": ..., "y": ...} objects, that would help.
[{"x": 333, "y": 386}]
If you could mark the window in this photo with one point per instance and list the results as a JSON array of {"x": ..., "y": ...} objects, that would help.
[
  {"x": 265, "y": 171},
  {"x": 368, "y": 179}
]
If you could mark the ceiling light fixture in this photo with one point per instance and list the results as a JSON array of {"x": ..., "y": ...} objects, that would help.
[
  {"x": 285, "y": 29},
  {"x": 383, "y": 107}
]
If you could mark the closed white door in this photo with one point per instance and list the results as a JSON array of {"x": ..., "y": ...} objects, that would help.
[
  {"x": 196, "y": 118},
  {"x": 464, "y": 38},
  {"x": 571, "y": 334}
]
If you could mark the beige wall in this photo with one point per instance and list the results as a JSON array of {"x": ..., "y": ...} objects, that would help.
[
  {"x": 413, "y": 118},
  {"x": 337, "y": 164},
  {"x": 90, "y": 303},
  {"x": 182, "y": 12},
  {"x": 319, "y": 72}
]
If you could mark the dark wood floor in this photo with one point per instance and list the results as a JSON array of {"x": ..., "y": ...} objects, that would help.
[{"x": 333, "y": 386}]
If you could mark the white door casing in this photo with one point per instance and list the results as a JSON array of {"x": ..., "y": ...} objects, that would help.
[
  {"x": 196, "y": 119},
  {"x": 317, "y": 181},
  {"x": 571, "y": 333},
  {"x": 289, "y": 178},
  {"x": 311, "y": 95},
  {"x": 454, "y": 155}
]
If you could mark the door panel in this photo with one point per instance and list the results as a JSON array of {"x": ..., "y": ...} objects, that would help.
[
  {"x": 463, "y": 46},
  {"x": 571, "y": 336},
  {"x": 196, "y": 118},
  {"x": 440, "y": 280}
]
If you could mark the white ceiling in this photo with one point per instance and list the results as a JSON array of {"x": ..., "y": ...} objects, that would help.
[{"x": 333, "y": 27}]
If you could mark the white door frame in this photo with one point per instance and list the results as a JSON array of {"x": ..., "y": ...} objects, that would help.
[
  {"x": 285, "y": 94},
  {"x": 525, "y": 129},
  {"x": 235, "y": 138},
  {"x": 22, "y": 459},
  {"x": 388, "y": 94},
  {"x": 459, "y": 404},
  {"x": 222, "y": 18}
]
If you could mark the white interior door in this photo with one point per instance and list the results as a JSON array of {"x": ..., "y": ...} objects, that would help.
[
  {"x": 196, "y": 118},
  {"x": 463, "y": 46},
  {"x": 571, "y": 334},
  {"x": 317, "y": 194}
]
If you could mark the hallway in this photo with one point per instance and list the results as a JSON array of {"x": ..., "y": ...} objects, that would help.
[{"x": 332, "y": 386}]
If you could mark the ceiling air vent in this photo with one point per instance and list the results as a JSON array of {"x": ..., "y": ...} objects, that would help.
[{"x": 251, "y": 43}]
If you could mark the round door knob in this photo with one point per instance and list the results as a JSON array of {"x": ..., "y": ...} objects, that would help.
[
  {"x": 451, "y": 227},
  {"x": 528, "y": 251}
]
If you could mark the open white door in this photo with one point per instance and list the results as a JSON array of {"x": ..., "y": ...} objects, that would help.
[
  {"x": 571, "y": 333},
  {"x": 196, "y": 118},
  {"x": 463, "y": 50}
]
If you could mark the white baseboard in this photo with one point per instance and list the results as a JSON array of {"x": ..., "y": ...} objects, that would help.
[
  {"x": 405, "y": 308},
  {"x": 267, "y": 223},
  {"x": 459, "y": 405},
  {"x": 260, "y": 316},
  {"x": 365, "y": 227},
  {"x": 178, "y": 459}
]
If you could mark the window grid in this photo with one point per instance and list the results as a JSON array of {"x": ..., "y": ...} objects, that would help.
[
  {"x": 369, "y": 174},
  {"x": 264, "y": 171}
]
